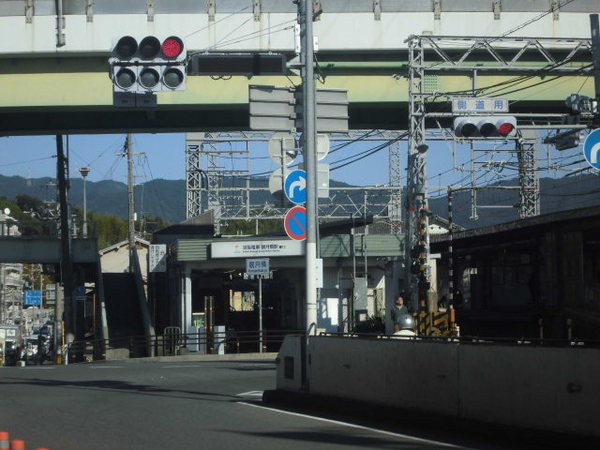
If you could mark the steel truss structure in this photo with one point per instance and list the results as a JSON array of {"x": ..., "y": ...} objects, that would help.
[
  {"x": 229, "y": 194},
  {"x": 492, "y": 54}
]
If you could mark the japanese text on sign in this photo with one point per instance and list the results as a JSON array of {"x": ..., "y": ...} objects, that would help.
[
  {"x": 479, "y": 105},
  {"x": 257, "y": 266}
]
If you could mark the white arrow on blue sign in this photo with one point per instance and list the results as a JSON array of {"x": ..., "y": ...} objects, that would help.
[
  {"x": 295, "y": 187},
  {"x": 591, "y": 148}
]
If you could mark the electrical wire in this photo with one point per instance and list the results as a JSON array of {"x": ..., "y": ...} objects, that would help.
[
  {"x": 17, "y": 163},
  {"x": 216, "y": 22},
  {"x": 253, "y": 35},
  {"x": 535, "y": 19},
  {"x": 365, "y": 153}
]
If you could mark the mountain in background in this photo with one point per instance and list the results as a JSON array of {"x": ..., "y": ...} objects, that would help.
[
  {"x": 556, "y": 194},
  {"x": 166, "y": 198}
]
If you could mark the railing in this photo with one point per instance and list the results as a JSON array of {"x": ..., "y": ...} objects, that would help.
[{"x": 173, "y": 343}]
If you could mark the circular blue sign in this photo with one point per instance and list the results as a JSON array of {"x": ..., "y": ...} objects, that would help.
[
  {"x": 295, "y": 187},
  {"x": 295, "y": 223},
  {"x": 591, "y": 149}
]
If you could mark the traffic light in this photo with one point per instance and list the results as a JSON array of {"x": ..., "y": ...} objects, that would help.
[
  {"x": 148, "y": 65},
  {"x": 485, "y": 126}
]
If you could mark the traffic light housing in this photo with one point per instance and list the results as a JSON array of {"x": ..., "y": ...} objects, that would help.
[
  {"x": 485, "y": 126},
  {"x": 148, "y": 65}
]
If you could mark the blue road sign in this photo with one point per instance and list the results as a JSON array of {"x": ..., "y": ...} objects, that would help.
[
  {"x": 591, "y": 148},
  {"x": 295, "y": 187},
  {"x": 295, "y": 223},
  {"x": 33, "y": 298}
]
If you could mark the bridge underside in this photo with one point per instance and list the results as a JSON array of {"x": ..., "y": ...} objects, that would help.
[
  {"x": 30, "y": 250},
  {"x": 59, "y": 83},
  {"x": 233, "y": 117}
]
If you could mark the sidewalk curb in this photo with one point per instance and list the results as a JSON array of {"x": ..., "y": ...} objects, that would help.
[{"x": 267, "y": 357}]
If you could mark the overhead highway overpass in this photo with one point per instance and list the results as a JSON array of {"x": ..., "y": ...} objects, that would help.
[{"x": 53, "y": 82}]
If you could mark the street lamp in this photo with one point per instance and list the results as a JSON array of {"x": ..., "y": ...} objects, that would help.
[{"x": 84, "y": 173}]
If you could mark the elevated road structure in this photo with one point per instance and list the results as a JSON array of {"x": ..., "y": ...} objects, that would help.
[{"x": 57, "y": 81}]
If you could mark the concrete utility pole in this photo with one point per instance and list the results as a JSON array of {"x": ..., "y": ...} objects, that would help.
[
  {"x": 69, "y": 317},
  {"x": 309, "y": 138},
  {"x": 130, "y": 204}
]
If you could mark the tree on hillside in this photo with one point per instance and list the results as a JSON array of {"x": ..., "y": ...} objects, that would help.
[
  {"x": 29, "y": 204},
  {"x": 248, "y": 227},
  {"x": 27, "y": 211},
  {"x": 151, "y": 224},
  {"x": 108, "y": 228}
]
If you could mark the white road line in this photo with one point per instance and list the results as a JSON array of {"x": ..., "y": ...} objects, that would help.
[
  {"x": 254, "y": 394},
  {"x": 267, "y": 364},
  {"x": 39, "y": 368},
  {"x": 105, "y": 367},
  {"x": 181, "y": 366},
  {"x": 360, "y": 427}
]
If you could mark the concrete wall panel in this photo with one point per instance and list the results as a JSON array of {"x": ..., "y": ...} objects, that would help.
[
  {"x": 545, "y": 388},
  {"x": 514, "y": 385},
  {"x": 392, "y": 372}
]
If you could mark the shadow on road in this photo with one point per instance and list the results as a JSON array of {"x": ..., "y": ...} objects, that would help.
[
  {"x": 342, "y": 437},
  {"x": 117, "y": 386}
]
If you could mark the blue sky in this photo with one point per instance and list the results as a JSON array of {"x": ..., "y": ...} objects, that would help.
[{"x": 164, "y": 157}]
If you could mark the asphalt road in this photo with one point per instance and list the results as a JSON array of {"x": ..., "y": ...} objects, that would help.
[{"x": 178, "y": 405}]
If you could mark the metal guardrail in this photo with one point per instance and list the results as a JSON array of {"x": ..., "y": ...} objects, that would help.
[{"x": 173, "y": 342}]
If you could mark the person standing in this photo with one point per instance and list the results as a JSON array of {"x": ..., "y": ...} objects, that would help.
[{"x": 399, "y": 313}]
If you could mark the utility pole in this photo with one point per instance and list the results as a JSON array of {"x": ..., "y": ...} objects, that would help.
[
  {"x": 69, "y": 315},
  {"x": 309, "y": 137},
  {"x": 130, "y": 204},
  {"x": 450, "y": 197}
]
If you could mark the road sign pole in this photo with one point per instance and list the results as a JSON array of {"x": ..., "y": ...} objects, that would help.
[{"x": 309, "y": 138}]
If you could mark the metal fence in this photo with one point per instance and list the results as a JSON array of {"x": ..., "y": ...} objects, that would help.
[{"x": 173, "y": 342}]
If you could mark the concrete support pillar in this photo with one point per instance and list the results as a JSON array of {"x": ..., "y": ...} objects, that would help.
[{"x": 186, "y": 299}]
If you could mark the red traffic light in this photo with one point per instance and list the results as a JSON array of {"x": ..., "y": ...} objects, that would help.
[
  {"x": 172, "y": 47},
  {"x": 485, "y": 126},
  {"x": 505, "y": 128}
]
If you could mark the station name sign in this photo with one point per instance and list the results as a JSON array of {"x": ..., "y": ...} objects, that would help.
[{"x": 245, "y": 249}]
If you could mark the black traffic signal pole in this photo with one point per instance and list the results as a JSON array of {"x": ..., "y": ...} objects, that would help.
[{"x": 66, "y": 266}]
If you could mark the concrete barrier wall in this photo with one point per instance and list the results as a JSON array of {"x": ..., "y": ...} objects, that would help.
[
  {"x": 290, "y": 348},
  {"x": 553, "y": 388},
  {"x": 545, "y": 388},
  {"x": 394, "y": 373}
]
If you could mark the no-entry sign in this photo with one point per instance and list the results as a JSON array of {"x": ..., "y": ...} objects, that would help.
[{"x": 295, "y": 223}]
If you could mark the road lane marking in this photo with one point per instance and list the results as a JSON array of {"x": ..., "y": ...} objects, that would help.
[
  {"x": 39, "y": 368},
  {"x": 360, "y": 427},
  {"x": 105, "y": 367},
  {"x": 251, "y": 394},
  {"x": 181, "y": 366},
  {"x": 268, "y": 365}
]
